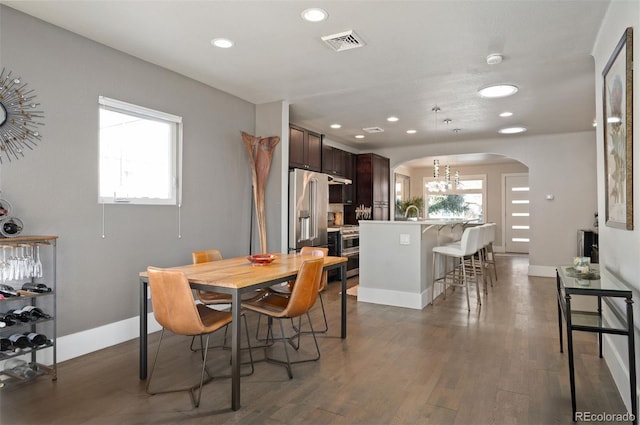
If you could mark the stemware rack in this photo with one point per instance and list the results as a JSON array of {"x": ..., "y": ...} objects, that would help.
[{"x": 20, "y": 263}]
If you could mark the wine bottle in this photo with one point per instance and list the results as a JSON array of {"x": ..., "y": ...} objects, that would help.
[
  {"x": 35, "y": 313},
  {"x": 5, "y": 344},
  {"x": 19, "y": 341},
  {"x": 20, "y": 315},
  {"x": 36, "y": 287},
  {"x": 8, "y": 319},
  {"x": 36, "y": 339},
  {"x": 8, "y": 291}
]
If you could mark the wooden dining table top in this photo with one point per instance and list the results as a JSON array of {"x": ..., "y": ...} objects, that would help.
[{"x": 239, "y": 273}]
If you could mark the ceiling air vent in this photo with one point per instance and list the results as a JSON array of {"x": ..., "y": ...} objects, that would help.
[
  {"x": 343, "y": 41},
  {"x": 373, "y": 130}
]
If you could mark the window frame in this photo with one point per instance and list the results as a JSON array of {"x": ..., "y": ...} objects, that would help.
[
  {"x": 455, "y": 191},
  {"x": 175, "y": 121}
]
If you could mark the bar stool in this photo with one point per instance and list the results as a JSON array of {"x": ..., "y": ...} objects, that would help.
[
  {"x": 466, "y": 268},
  {"x": 491, "y": 263}
]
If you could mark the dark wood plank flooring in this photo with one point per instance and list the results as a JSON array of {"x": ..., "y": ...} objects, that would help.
[{"x": 499, "y": 364}]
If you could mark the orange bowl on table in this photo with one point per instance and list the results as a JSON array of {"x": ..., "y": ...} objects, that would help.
[{"x": 261, "y": 259}]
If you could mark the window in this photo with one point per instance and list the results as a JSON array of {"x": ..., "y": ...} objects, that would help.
[
  {"x": 466, "y": 202},
  {"x": 139, "y": 154}
]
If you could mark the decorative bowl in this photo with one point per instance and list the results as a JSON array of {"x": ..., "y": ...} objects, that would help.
[{"x": 261, "y": 259}]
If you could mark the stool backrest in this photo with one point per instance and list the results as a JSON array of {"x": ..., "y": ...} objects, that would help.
[{"x": 469, "y": 244}]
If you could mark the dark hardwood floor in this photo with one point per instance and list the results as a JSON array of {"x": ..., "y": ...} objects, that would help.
[{"x": 499, "y": 364}]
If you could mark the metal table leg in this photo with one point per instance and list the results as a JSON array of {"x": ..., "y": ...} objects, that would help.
[{"x": 143, "y": 328}]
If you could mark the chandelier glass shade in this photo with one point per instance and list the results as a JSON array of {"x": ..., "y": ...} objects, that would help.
[{"x": 446, "y": 184}]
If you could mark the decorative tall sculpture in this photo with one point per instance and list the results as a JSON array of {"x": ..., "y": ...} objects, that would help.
[{"x": 260, "y": 151}]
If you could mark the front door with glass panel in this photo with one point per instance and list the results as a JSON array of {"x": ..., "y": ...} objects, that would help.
[{"x": 517, "y": 230}]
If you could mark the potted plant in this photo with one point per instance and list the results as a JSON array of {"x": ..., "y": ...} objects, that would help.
[{"x": 410, "y": 207}]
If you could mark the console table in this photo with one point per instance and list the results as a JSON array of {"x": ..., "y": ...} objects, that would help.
[{"x": 617, "y": 296}]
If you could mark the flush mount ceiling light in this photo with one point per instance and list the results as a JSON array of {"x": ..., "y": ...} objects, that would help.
[
  {"x": 392, "y": 119},
  {"x": 335, "y": 126},
  {"x": 314, "y": 14},
  {"x": 506, "y": 114},
  {"x": 494, "y": 59},
  {"x": 512, "y": 130},
  {"x": 411, "y": 131},
  {"x": 223, "y": 43},
  {"x": 498, "y": 90}
]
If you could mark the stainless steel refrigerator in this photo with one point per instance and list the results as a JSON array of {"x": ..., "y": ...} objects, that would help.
[{"x": 308, "y": 205}]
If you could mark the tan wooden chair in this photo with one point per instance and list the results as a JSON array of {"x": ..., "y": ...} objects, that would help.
[
  {"x": 176, "y": 311},
  {"x": 303, "y": 295},
  {"x": 285, "y": 290},
  {"x": 210, "y": 297}
]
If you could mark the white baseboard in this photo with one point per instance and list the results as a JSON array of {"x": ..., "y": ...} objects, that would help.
[
  {"x": 85, "y": 342},
  {"x": 393, "y": 298}
]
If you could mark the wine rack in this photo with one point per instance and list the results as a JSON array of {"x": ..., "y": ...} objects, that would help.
[{"x": 20, "y": 365}]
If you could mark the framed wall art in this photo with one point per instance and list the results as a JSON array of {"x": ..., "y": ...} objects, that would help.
[{"x": 617, "y": 113}]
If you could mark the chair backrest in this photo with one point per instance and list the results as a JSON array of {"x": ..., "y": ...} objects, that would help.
[
  {"x": 207, "y": 256},
  {"x": 469, "y": 244},
  {"x": 320, "y": 252},
  {"x": 172, "y": 301},
  {"x": 492, "y": 232},
  {"x": 305, "y": 291}
]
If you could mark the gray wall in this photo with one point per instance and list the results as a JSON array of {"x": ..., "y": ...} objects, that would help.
[{"x": 54, "y": 188}]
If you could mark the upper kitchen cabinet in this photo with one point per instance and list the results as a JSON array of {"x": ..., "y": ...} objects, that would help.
[
  {"x": 373, "y": 185},
  {"x": 343, "y": 193},
  {"x": 305, "y": 149},
  {"x": 334, "y": 161}
]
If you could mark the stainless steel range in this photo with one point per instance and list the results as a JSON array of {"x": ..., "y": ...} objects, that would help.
[{"x": 346, "y": 243}]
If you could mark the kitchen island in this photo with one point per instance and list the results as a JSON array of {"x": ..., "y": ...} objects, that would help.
[{"x": 396, "y": 260}]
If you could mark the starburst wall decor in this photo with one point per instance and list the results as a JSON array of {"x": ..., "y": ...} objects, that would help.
[{"x": 19, "y": 117}]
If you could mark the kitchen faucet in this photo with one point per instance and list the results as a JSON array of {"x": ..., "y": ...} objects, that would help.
[{"x": 406, "y": 212}]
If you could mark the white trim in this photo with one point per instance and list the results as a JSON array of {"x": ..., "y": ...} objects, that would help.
[
  {"x": 131, "y": 108},
  {"x": 394, "y": 298}
]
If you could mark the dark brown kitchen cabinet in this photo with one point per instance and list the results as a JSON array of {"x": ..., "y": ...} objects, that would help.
[
  {"x": 344, "y": 193},
  {"x": 334, "y": 161},
  {"x": 305, "y": 149},
  {"x": 373, "y": 185}
]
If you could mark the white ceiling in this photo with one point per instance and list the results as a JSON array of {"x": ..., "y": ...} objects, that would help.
[{"x": 418, "y": 54}]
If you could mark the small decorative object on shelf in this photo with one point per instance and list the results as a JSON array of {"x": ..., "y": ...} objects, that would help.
[
  {"x": 10, "y": 227},
  {"x": 28, "y": 309},
  {"x": 20, "y": 117}
]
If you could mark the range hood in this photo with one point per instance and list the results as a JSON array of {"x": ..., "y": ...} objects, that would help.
[{"x": 338, "y": 180}]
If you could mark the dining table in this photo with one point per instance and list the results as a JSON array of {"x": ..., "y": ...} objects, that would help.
[{"x": 236, "y": 276}]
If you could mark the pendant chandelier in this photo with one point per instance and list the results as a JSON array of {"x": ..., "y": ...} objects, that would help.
[
  {"x": 437, "y": 185},
  {"x": 446, "y": 184}
]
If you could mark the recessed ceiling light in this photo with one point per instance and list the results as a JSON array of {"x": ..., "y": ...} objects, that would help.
[
  {"x": 411, "y": 131},
  {"x": 335, "y": 126},
  {"x": 223, "y": 43},
  {"x": 506, "y": 114},
  {"x": 359, "y": 136},
  {"x": 512, "y": 130},
  {"x": 314, "y": 14},
  {"x": 498, "y": 90},
  {"x": 392, "y": 119}
]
